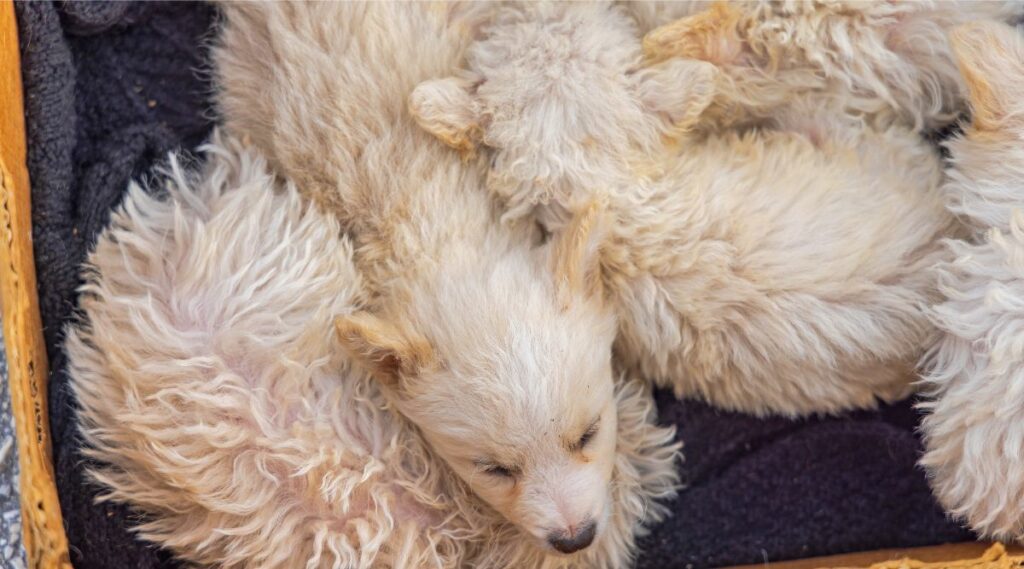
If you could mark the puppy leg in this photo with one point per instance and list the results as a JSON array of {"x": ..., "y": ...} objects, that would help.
[{"x": 974, "y": 434}]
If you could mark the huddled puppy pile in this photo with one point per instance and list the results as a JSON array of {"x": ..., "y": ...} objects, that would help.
[
  {"x": 706, "y": 253},
  {"x": 409, "y": 312}
]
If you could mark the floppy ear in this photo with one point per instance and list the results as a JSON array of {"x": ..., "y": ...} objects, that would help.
[
  {"x": 576, "y": 255},
  {"x": 710, "y": 35},
  {"x": 446, "y": 109},
  {"x": 678, "y": 90},
  {"x": 991, "y": 60},
  {"x": 389, "y": 353}
]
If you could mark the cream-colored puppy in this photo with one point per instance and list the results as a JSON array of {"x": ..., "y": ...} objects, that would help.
[
  {"x": 498, "y": 352},
  {"x": 887, "y": 62},
  {"x": 767, "y": 271},
  {"x": 973, "y": 433},
  {"x": 214, "y": 397}
]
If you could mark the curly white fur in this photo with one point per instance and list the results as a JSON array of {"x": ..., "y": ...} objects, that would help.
[
  {"x": 973, "y": 433},
  {"x": 887, "y": 62},
  {"x": 531, "y": 89},
  {"x": 215, "y": 398},
  {"x": 768, "y": 271},
  {"x": 481, "y": 339}
]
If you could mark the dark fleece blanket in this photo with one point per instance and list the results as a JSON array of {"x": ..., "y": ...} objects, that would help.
[{"x": 110, "y": 88}]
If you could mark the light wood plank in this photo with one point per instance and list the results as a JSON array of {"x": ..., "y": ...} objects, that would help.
[
  {"x": 44, "y": 538},
  {"x": 949, "y": 552}
]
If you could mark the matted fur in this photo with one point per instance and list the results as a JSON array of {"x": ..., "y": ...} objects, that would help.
[
  {"x": 974, "y": 435},
  {"x": 884, "y": 61},
  {"x": 215, "y": 398},
  {"x": 480, "y": 338},
  {"x": 767, "y": 271}
]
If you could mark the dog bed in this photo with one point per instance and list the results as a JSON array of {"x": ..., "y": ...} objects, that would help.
[{"x": 110, "y": 88}]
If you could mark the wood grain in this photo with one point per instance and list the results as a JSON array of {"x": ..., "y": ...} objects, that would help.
[
  {"x": 45, "y": 542},
  {"x": 936, "y": 553}
]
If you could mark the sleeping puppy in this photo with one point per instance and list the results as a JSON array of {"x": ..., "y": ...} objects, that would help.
[
  {"x": 886, "y": 62},
  {"x": 771, "y": 271},
  {"x": 214, "y": 398},
  {"x": 973, "y": 433},
  {"x": 499, "y": 352}
]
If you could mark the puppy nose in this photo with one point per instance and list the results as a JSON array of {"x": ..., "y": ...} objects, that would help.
[{"x": 568, "y": 542}]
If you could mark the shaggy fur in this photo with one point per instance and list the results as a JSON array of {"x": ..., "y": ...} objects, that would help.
[
  {"x": 887, "y": 62},
  {"x": 530, "y": 92},
  {"x": 766, "y": 271},
  {"x": 215, "y": 398},
  {"x": 498, "y": 351},
  {"x": 973, "y": 435}
]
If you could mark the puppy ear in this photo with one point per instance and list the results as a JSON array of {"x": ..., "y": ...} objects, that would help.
[
  {"x": 710, "y": 35},
  {"x": 679, "y": 90},
  {"x": 446, "y": 109},
  {"x": 991, "y": 60},
  {"x": 390, "y": 354},
  {"x": 576, "y": 255}
]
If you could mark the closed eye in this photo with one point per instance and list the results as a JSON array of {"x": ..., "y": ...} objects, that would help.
[
  {"x": 587, "y": 436},
  {"x": 498, "y": 470}
]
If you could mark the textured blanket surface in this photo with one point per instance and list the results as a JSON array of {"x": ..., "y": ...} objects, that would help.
[{"x": 110, "y": 88}]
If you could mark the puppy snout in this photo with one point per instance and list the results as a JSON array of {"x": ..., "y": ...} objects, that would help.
[{"x": 570, "y": 541}]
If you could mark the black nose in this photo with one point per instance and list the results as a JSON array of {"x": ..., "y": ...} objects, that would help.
[{"x": 565, "y": 542}]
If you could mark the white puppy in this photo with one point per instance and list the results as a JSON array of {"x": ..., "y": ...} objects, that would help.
[
  {"x": 973, "y": 433},
  {"x": 769, "y": 271},
  {"x": 883, "y": 61},
  {"x": 499, "y": 353},
  {"x": 214, "y": 397}
]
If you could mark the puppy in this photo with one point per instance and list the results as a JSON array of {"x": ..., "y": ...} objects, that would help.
[
  {"x": 973, "y": 434},
  {"x": 779, "y": 271},
  {"x": 499, "y": 352},
  {"x": 885, "y": 62},
  {"x": 214, "y": 398}
]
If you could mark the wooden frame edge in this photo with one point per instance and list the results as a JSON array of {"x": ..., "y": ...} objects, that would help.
[
  {"x": 44, "y": 538},
  {"x": 46, "y": 544},
  {"x": 953, "y": 555}
]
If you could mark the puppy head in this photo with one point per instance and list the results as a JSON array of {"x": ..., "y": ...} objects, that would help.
[
  {"x": 507, "y": 373},
  {"x": 558, "y": 92}
]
